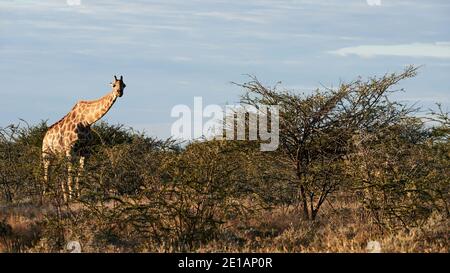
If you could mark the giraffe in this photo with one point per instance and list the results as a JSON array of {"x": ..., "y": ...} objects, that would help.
[{"x": 71, "y": 135}]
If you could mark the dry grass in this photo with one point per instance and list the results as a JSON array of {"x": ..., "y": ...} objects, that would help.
[
  {"x": 20, "y": 227},
  {"x": 345, "y": 227}
]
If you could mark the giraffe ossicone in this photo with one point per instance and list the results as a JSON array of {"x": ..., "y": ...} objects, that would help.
[{"x": 71, "y": 135}]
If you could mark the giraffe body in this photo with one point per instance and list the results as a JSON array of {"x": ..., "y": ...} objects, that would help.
[{"x": 72, "y": 135}]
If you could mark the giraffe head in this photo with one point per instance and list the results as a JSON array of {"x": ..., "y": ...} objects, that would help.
[{"x": 118, "y": 86}]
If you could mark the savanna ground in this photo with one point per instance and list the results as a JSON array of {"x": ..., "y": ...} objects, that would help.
[{"x": 353, "y": 166}]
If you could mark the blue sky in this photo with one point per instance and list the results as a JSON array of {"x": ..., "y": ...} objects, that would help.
[{"x": 53, "y": 54}]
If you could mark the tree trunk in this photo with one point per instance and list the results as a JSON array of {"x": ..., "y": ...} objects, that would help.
[{"x": 304, "y": 202}]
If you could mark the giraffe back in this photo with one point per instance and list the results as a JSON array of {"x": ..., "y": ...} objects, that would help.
[{"x": 69, "y": 135}]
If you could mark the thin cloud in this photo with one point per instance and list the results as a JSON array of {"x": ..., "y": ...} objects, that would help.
[
  {"x": 440, "y": 99},
  {"x": 180, "y": 59},
  {"x": 427, "y": 50},
  {"x": 234, "y": 16}
]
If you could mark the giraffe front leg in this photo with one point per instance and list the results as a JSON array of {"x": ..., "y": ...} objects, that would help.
[
  {"x": 64, "y": 191},
  {"x": 80, "y": 172},
  {"x": 70, "y": 174}
]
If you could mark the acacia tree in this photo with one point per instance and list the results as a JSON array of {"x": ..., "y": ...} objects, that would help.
[
  {"x": 316, "y": 130},
  {"x": 402, "y": 172}
]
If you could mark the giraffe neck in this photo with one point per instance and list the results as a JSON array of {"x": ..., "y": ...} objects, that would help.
[{"x": 91, "y": 111}]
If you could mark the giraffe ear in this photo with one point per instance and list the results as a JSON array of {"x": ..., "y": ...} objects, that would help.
[{"x": 115, "y": 77}]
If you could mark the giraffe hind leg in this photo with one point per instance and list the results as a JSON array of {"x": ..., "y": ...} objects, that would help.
[{"x": 45, "y": 184}]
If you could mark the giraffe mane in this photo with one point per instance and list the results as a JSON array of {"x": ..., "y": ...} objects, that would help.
[
  {"x": 93, "y": 101},
  {"x": 84, "y": 102}
]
